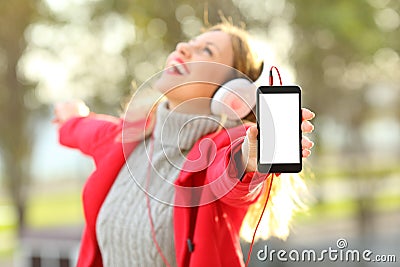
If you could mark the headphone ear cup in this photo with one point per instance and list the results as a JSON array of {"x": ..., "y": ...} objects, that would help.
[{"x": 235, "y": 99}]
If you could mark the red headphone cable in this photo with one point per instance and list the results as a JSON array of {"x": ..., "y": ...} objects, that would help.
[
  {"x": 271, "y": 77},
  {"x": 271, "y": 83},
  {"x": 258, "y": 223},
  {"x": 153, "y": 232}
]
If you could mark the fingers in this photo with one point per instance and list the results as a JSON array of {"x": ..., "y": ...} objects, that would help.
[
  {"x": 66, "y": 110},
  {"x": 307, "y": 127},
  {"x": 306, "y": 153},
  {"x": 307, "y": 114},
  {"x": 56, "y": 112},
  {"x": 306, "y": 143},
  {"x": 306, "y": 146}
]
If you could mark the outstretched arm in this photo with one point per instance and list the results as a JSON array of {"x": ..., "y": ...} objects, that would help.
[{"x": 78, "y": 128}]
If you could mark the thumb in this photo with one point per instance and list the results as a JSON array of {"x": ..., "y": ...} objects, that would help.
[
  {"x": 251, "y": 136},
  {"x": 249, "y": 149}
]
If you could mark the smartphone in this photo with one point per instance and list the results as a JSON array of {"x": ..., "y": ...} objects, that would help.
[{"x": 279, "y": 120}]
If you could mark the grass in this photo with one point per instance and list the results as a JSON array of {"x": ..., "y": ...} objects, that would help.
[
  {"x": 54, "y": 210},
  {"x": 338, "y": 210},
  {"x": 345, "y": 208},
  {"x": 388, "y": 203},
  {"x": 42, "y": 211},
  {"x": 372, "y": 171}
]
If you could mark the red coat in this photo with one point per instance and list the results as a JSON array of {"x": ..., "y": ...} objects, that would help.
[{"x": 216, "y": 232}]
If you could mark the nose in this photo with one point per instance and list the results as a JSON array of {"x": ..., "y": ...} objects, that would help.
[{"x": 184, "y": 49}]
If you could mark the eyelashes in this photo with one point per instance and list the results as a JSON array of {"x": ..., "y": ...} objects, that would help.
[{"x": 208, "y": 51}]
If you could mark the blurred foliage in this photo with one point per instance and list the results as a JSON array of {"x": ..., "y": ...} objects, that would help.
[{"x": 336, "y": 41}]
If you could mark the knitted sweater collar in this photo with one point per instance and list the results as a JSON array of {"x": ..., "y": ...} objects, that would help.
[{"x": 183, "y": 130}]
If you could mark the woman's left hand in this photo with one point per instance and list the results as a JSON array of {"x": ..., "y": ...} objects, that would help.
[{"x": 249, "y": 146}]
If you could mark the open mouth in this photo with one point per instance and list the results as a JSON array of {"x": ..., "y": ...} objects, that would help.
[{"x": 177, "y": 67}]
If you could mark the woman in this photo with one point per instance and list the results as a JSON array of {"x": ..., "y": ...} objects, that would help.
[{"x": 124, "y": 226}]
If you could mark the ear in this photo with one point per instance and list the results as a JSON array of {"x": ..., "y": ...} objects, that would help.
[{"x": 235, "y": 99}]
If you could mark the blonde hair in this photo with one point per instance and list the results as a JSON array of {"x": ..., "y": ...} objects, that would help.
[
  {"x": 285, "y": 200},
  {"x": 288, "y": 189},
  {"x": 244, "y": 59}
]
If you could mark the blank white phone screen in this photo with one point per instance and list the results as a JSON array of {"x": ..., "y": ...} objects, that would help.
[{"x": 279, "y": 128}]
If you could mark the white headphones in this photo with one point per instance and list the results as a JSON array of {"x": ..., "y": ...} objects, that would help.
[{"x": 235, "y": 98}]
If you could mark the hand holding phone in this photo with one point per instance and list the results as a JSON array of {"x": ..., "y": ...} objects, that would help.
[{"x": 279, "y": 120}]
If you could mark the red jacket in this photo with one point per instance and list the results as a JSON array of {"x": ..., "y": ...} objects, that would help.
[{"x": 225, "y": 198}]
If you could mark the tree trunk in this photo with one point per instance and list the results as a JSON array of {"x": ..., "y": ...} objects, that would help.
[{"x": 15, "y": 136}]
